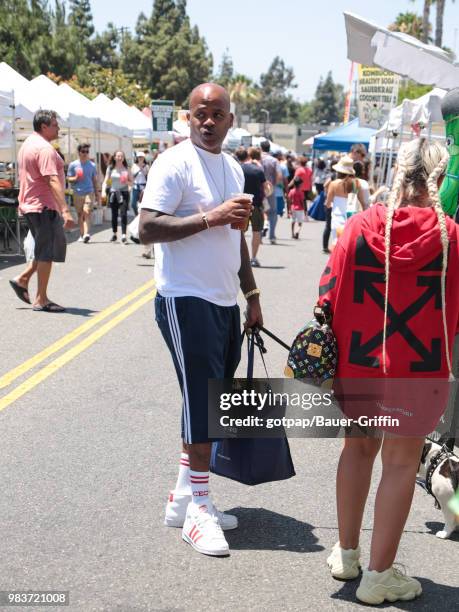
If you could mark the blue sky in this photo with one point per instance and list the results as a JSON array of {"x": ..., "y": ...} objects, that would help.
[{"x": 308, "y": 34}]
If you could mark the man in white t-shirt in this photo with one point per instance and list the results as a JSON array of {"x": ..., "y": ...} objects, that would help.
[{"x": 201, "y": 262}]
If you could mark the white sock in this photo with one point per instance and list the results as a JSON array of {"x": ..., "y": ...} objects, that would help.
[
  {"x": 200, "y": 487},
  {"x": 182, "y": 486}
]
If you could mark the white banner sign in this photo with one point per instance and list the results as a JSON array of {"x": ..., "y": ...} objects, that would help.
[{"x": 377, "y": 95}]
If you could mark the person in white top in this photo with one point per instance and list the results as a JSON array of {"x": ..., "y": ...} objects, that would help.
[
  {"x": 338, "y": 193},
  {"x": 193, "y": 214}
]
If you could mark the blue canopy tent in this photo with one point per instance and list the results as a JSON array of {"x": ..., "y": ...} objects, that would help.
[{"x": 343, "y": 137}]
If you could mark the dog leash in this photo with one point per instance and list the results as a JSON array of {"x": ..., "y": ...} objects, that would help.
[{"x": 275, "y": 338}]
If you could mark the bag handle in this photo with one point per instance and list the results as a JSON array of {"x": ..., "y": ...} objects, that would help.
[{"x": 254, "y": 340}]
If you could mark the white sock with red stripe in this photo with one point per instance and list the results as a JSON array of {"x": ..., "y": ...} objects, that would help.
[
  {"x": 182, "y": 486},
  {"x": 200, "y": 487}
]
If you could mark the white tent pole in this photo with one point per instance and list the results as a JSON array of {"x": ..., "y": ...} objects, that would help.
[
  {"x": 429, "y": 132},
  {"x": 68, "y": 142},
  {"x": 13, "y": 135},
  {"x": 382, "y": 161}
]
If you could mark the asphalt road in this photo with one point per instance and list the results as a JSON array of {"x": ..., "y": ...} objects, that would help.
[{"x": 89, "y": 436}]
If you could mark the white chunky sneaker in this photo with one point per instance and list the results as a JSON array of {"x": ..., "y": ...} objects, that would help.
[
  {"x": 202, "y": 531},
  {"x": 344, "y": 563},
  {"x": 176, "y": 513},
  {"x": 391, "y": 584}
]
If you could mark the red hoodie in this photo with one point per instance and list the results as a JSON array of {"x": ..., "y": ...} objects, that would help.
[{"x": 354, "y": 283}]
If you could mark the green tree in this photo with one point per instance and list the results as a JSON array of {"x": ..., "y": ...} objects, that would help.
[
  {"x": 306, "y": 113},
  {"x": 103, "y": 48},
  {"x": 329, "y": 101},
  {"x": 409, "y": 23},
  {"x": 61, "y": 58},
  {"x": 167, "y": 56},
  {"x": 226, "y": 70},
  {"x": 274, "y": 94},
  {"x": 80, "y": 18},
  {"x": 15, "y": 19},
  {"x": 244, "y": 94},
  {"x": 411, "y": 90}
]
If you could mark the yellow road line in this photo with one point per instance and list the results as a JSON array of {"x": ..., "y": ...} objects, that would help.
[
  {"x": 73, "y": 352},
  {"x": 24, "y": 367}
]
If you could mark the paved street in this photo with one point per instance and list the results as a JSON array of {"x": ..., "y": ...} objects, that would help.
[{"x": 90, "y": 445}]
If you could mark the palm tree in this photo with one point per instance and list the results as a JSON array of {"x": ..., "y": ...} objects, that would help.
[
  {"x": 408, "y": 23},
  {"x": 243, "y": 93},
  {"x": 439, "y": 21},
  {"x": 426, "y": 21}
]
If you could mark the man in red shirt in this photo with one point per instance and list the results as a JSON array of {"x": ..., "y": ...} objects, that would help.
[{"x": 42, "y": 202}]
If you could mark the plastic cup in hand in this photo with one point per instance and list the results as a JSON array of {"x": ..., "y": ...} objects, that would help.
[
  {"x": 79, "y": 173},
  {"x": 244, "y": 223},
  {"x": 124, "y": 178}
]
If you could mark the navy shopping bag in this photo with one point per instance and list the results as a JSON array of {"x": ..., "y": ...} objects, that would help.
[
  {"x": 252, "y": 461},
  {"x": 317, "y": 210}
]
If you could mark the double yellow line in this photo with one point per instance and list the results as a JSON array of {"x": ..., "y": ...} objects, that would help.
[{"x": 146, "y": 293}]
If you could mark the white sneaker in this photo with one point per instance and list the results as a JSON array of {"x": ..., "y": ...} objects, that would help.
[
  {"x": 124, "y": 239},
  {"x": 80, "y": 239},
  {"x": 86, "y": 238},
  {"x": 391, "y": 584},
  {"x": 176, "y": 508},
  {"x": 344, "y": 563},
  {"x": 202, "y": 531}
]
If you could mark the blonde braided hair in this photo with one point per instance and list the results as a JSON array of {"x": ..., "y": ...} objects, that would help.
[
  {"x": 420, "y": 164},
  {"x": 391, "y": 206},
  {"x": 433, "y": 193}
]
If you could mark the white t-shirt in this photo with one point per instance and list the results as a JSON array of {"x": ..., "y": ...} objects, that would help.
[
  {"x": 183, "y": 181},
  {"x": 365, "y": 191}
]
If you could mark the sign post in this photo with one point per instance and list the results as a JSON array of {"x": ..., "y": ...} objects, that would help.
[{"x": 162, "y": 113}]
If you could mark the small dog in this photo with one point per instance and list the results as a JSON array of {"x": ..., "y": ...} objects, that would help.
[{"x": 444, "y": 481}]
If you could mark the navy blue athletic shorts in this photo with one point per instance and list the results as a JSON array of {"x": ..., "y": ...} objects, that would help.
[{"x": 205, "y": 342}]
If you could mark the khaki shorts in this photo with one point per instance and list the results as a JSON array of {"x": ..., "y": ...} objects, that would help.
[{"x": 83, "y": 202}]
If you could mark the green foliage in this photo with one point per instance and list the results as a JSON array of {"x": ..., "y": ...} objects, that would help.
[
  {"x": 328, "y": 104},
  {"x": 15, "y": 49},
  {"x": 408, "y": 23},
  {"x": 80, "y": 18},
  {"x": 274, "y": 96},
  {"x": 226, "y": 70},
  {"x": 103, "y": 49},
  {"x": 411, "y": 90},
  {"x": 167, "y": 55}
]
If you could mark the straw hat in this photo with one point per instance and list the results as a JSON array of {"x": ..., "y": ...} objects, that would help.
[{"x": 345, "y": 166}]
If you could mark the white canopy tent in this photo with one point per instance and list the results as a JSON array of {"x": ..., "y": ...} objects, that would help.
[
  {"x": 7, "y": 127},
  {"x": 105, "y": 108},
  {"x": 234, "y": 137},
  {"x": 107, "y": 136},
  {"x": 274, "y": 147},
  {"x": 138, "y": 122},
  {"x": 12, "y": 81},
  {"x": 423, "y": 114},
  {"x": 373, "y": 45}
]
